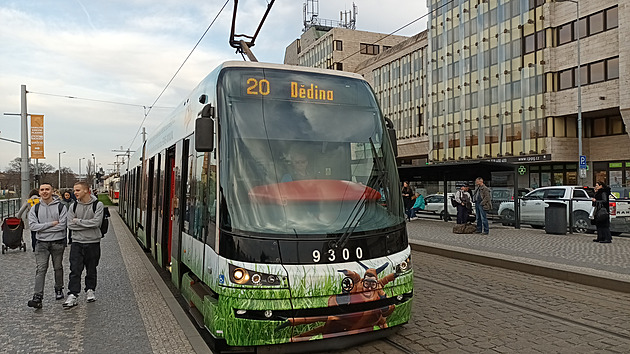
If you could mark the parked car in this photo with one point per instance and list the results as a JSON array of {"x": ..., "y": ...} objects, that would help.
[
  {"x": 532, "y": 208},
  {"x": 434, "y": 204},
  {"x": 504, "y": 194}
]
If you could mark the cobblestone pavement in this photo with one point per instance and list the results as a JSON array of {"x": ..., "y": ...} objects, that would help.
[
  {"x": 129, "y": 316},
  {"x": 463, "y": 307},
  {"x": 531, "y": 245}
]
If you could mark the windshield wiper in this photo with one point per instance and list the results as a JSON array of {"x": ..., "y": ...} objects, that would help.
[{"x": 354, "y": 221}]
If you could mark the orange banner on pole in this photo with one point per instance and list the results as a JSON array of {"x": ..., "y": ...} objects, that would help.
[{"x": 37, "y": 136}]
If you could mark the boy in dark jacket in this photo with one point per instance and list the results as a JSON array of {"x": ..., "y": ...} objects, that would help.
[{"x": 85, "y": 250}]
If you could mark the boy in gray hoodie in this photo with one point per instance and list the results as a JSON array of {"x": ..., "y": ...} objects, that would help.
[
  {"x": 85, "y": 251},
  {"x": 48, "y": 220}
]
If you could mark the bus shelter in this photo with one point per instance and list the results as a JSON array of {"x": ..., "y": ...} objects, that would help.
[{"x": 460, "y": 171}]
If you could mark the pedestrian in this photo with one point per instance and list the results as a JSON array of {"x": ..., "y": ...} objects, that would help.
[
  {"x": 464, "y": 203},
  {"x": 48, "y": 220},
  {"x": 33, "y": 198},
  {"x": 67, "y": 200},
  {"x": 602, "y": 212},
  {"x": 85, "y": 251},
  {"x": 418, "y": 205},
  {"x": 407, "y": 193},
  {"x": 482, "y": 205}
]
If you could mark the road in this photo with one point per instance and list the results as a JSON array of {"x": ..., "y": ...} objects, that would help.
[{"x": 462, "y": 307}]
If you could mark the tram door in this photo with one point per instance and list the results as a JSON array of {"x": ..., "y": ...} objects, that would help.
[
  {"x": 170, "y": 203},
  {"x": 157, "y": 204}
]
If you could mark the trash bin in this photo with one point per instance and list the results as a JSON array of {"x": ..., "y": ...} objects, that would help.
[{"x": 556, "y": 218}]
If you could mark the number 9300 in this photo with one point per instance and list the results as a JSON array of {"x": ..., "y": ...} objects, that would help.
[{"x": 341, "y": 255}]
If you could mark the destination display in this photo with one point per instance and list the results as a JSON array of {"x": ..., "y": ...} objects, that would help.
[{"x": 299, "y": 87}]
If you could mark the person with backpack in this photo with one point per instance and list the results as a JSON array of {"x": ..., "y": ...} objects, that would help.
[
  {"x": 464, "y": 203},
  {"x": 48, "y": 219},
  {"x": 85, "y": 217},
  {"x": 33, "y": 198}
]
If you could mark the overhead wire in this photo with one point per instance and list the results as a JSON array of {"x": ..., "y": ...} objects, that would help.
[
  {"x": 177, "y": 72},
  {"x": 93, "y": 100}
]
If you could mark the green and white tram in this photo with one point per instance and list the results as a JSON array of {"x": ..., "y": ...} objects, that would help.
[{"x": 272, "y": 196}]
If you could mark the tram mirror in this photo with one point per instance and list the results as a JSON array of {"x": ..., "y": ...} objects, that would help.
[
  {"x": 204, "y": 134},
  {"x": 392, "y": 135}
]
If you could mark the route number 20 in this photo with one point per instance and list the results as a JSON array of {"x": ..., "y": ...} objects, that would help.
[
  {"x": 331, "y": 255},
  {"x": 258, "y": 87}
]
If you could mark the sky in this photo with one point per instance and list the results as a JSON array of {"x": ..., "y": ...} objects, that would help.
[{"x": 126, "y": 51}]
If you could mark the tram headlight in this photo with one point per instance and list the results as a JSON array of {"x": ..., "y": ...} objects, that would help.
[
  {"x": 242, "y": 276},
  {"x": 404, "y": 265}
]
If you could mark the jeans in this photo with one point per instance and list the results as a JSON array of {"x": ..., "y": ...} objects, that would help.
[
  {"x": 43, "y": 252},
  {"x": 83, "y": 255},
  {"x": 482, "y": 219},
  {"x": 33, "y": 239}
]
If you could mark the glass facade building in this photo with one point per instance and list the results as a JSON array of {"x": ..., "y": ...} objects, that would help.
[{"x": 486, "y": 79}]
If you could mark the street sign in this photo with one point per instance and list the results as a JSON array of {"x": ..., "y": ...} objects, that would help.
[
  {"x": 582, "y": 173},
  {"x": 582, "y": 162}
]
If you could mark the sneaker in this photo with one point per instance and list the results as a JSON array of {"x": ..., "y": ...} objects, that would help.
[
  {"x": 71, "y": 301},
  {"x": 36, "y": 302},
  {"x": 90, "y": 296},
  {"x": 59, "y": 294}
]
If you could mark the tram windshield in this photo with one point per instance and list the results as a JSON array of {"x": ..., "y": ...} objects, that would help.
[{"x": 304, "y": 154}]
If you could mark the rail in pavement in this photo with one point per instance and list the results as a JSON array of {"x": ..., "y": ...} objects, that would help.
[{"x": 572, "y": 257}]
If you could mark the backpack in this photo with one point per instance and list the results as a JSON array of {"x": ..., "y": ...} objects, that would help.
[
  {"x": 37, "y": 210},
  {"x": 454, "y": 203},
  {"x": 106, "y": 215}
]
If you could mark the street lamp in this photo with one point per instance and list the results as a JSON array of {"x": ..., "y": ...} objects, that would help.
[
  {"x": 59, "y": 185},
  {"x": 579, "y": 93},
  {"x": 82, "y": 158}
]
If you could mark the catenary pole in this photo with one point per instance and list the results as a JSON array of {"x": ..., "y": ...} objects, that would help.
[{"x": 24, "y": 186}]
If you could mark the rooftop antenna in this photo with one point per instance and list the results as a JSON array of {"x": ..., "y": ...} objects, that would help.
[
  {"x": 311, "y": 14},
  {"x": 348, "y": 19},
  {"x": 238, "y": 40}
]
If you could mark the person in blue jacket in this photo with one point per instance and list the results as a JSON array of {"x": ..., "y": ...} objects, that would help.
[{"x": 417, "y": 206}]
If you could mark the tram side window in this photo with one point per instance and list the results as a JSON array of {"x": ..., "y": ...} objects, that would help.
[{"x": 195, "y": 215}]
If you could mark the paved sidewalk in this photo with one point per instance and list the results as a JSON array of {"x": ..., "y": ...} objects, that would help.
[
  {"x": 575, "y": 253},
  {"x": 134, "y": 311}
]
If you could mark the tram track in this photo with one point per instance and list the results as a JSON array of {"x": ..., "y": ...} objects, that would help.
[
  {"x": 548, "y": 315},
  {"x": 398, "y": 346}
]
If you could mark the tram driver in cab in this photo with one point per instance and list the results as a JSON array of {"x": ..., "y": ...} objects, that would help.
[{"x": 299, "y": 168}]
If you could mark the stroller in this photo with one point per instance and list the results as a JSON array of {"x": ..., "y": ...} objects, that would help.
[{"x": 12, "y": 229}]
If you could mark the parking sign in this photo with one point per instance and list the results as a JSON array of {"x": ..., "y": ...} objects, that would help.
[{"x": 582, "y": 161}]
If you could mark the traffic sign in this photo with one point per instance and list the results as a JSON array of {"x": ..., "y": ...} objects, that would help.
[
  {"x": 582, "y": 173},
  {"x": 582, "y": 161}
]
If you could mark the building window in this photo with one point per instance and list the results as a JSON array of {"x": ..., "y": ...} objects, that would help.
[
  {"x": 596, "y": 23},
  {"x": 612, "y": 68},
  {"x": 612, "y": 21},
  {"x": 370, "y": 49},
  {"x": 530, "y": 43},
  {"x": 565, "y": 79},
  {"x": 598, "y": 72},
  {"x": 565, "y": 33},
  {"x": 339, "y": 66},
  {"x": 386, "y": 47},
  {"x": 338, "y": 45},
  {"x": 582, "y": 25}
]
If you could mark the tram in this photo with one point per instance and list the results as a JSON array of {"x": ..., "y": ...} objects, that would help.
[
  {"x": 112, "y": 184},
  {"x": 272, "y": 196}
]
